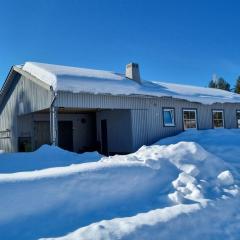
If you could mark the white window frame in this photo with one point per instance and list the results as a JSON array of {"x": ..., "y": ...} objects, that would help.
[
  {"x": 238, "y": 125},
  {"x": 215, "y": 111},
  {"x": 172, "y": 110},
  {"x": 190, "y": 110}
]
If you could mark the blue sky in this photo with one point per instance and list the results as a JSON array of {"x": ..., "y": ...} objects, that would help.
[{"x": 174, "y": 41}]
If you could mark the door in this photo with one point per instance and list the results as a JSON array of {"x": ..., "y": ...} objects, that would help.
[
  {"x": 104, "y": 137},
  {"x": 238, "y": 119},
  {"x": 41, "y": 133},
  {"x": 65, "y": 135}
]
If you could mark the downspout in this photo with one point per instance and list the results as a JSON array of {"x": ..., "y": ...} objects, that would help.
[{"x": 53, "y": 119}]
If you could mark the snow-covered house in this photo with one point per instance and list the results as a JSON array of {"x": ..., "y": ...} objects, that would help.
[{"x": 83, "y": 109}]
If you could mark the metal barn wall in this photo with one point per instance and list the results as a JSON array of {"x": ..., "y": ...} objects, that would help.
[
  {"x": 146, "y": 113},
  {"x": 24, "y": 96},
  {"x": 119, "y": 130},
  {"x": 84, "y": 100},
  {"x": 148, "y": 125},
  {"x": 84, "y": 132}
]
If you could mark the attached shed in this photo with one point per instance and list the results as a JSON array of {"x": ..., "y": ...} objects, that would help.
[{"x": 82, "y": 109}]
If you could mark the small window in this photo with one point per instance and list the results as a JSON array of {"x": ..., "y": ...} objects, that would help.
[
  {"x": 168, "y": 117},
  {"x": 83, "y": 120},
  {"x": 218, "y": 119},
  {"x": 238, "y": 118},
  {"x": 189, "y": 119}
]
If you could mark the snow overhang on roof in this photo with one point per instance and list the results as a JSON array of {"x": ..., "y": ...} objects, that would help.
[{"x": 73, "y": 79}]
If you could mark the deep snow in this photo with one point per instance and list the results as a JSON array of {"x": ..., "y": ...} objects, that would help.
[
  {"x": 75, "y": 79},
  {"x": 183, "y": 187}
]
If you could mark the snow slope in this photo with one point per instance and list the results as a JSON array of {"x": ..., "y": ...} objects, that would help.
[
  {"x": 75, "y": 79},
  {"x": 44, "y": 157},
  {"x": 179, "y": 190}
]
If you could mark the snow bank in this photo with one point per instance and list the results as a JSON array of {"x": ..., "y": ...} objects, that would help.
[
  {"x": 225, "y": 178},
  {"x": 159, "y": 192},
  {"x": 191, "y": 221},
  {"x": 220, "y": 142},
  {"x": 64, "y": 78},
  {"x": 120, "y": 227},
  {"x": 45, "y": 157}
]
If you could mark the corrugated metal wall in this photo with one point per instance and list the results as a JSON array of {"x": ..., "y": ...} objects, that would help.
[
  {"x": 23, "y": 97},
  {"x": 151, "y": 130},
  {"x": 119, "y": 130},
  {"x": 146, "y": 113},
  {"x": 84, "y": 100}
]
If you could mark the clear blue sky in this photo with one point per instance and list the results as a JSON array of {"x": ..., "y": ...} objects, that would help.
[{"x": 172, "y": 40}]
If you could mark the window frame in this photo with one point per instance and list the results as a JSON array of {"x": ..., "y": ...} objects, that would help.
[
  {"x": 237, "y": 111},
  {"x": 169, "y": 109},
  {"x": 223, "y": 118},
  {"x": 196, "y": 118}
]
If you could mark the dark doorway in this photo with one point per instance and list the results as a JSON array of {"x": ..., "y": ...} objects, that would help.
[
  {"x": 24, "y": 144},
  {"x": 41, "y": 133},
  {"x": 104, "y": 137},
  {"x": 65, "y": 135}
]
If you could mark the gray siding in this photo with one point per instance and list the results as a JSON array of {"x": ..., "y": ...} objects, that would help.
[
  {"x": 148, "y": 125},
  {"x": 84, "y": 100},
  {"x": 23, "y": 97},
  {"x": 119, "y": 130},
  {"x": 83, "y": 133}
]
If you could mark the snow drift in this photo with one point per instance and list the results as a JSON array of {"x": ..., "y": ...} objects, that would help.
[{"x": 161, "y": 191}]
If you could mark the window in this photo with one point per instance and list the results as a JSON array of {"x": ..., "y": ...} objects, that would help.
[
  {"x": 218, "y": 119},
  {"x": 238, "y": 118},
  {"x": 189, "y": 119},
  {"x": 83, "y": 120},
  {"x": 168, "y": 117}
]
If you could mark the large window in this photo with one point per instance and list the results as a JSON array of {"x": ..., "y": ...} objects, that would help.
[
  {"x": 238, "y": 118},
  {"x": 190, "y": 119},
  {"x": 218, "y": 119},
  {"x": 168, "y": 117}
]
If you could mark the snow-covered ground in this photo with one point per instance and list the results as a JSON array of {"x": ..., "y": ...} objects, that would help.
[{"x": 183, "y": 187}]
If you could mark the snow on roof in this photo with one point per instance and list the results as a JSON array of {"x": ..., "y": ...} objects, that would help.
[{"x": 65, "y": 78}]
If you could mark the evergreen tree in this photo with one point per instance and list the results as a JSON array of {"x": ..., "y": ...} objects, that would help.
[
  {"x": 219, "y": 83},
  {"x": 237, "y": 86},
  {"x": 212, "y": 84},
  {"x": 224, "y": 85}
]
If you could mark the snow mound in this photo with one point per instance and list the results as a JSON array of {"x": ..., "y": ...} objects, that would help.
[
  {"x": 183, "y": 221},
  {"x": 226, "y": 178},
  {"x": 44, "y": 157},
  {"x": 158, "y": 192}
]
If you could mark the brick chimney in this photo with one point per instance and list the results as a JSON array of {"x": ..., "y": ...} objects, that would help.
[{"x": 132, "y": 72}]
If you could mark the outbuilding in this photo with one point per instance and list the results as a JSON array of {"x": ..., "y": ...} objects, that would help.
[{"x": 83, "y": 109}]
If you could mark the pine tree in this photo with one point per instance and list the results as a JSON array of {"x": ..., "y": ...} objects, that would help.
[
  {"x": 219, "y": 83},
  {"x": 237, "y": 86},
  {"x": 212, "y": 84},
  {"x": 222, "y": 84}
]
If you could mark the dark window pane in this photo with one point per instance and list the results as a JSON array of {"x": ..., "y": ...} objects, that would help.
[
  {"x": 218, "y": 119},
  {"x": 192, "y": 115},
  {"x": 190, "y": 119}
]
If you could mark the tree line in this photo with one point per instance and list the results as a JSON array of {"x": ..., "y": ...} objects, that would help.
[{"x": 221, "y": 83}]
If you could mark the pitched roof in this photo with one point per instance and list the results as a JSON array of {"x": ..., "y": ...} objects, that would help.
[{"x": 65, "y": 78}]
